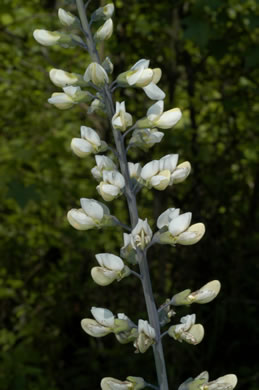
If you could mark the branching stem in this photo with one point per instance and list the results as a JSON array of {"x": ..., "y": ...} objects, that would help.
[{"x": 133, "y": 211}]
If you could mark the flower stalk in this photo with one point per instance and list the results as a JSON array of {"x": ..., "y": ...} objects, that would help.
[{"x": 132, "y": 207}]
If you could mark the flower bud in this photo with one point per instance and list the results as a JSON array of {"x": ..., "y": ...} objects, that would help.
[
  {"x": 89, "y": 142},
  {"x": 60, "y": 78},
  {"x": 50, "y": 38},
  {"x": 145, "y": 138},
  {"x": 72, "y": 95},
  {"x": 104, "y": 13},
  {"x": 93, "y": 214},
  {"x": 108, "y": 65},
  {"x": 121, "y": 119},
  {"x": 206, "y": 293},
  {"x": 45, "y": 37},
  {"x": 105, "y": 31},
  {"x": 104, "y": 163},
  {"x": 111, "y": 268},
  {"x": 128, "y": 251},
  {"x": 96, "y": 74},
  {"x": 111, "y": 186},
  {"x": 131, "y": 383},
  {"x": 94, "y": 329},
  {"x": 66, "y": 18}
]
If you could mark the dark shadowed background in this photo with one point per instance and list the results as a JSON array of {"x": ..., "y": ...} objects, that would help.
[{"x": 208, "y": 52}]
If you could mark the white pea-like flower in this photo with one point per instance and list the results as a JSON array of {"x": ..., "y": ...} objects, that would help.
[
  {"x": 105, "y": 31},
  {"x": 131, "y": 383},
  {"x": 205, "y": 294},
  {"x": 111, "y": 185},
  {"x": 226, "y": 382},
  {"x": 46, "y": 38},
  {"x": 66, "y": 18},
  {"x": 103, "y": 163},
  {"x": 96, "y": 74},
  {"x": 62, "y": 79},
  {"x": 145, "y": 138},
  {"x": 134, "y": 170},
  {"x": 103, "y": 316},
  {"x": 70, "y": 96},
  {"x": 128, "y": 251},
  {"x": 103, "y": 323},
  {"x": 141, "y": 235},
  {"x": 89, "y": 142},
  {"x": 104, "y": 13},
  {"x": 159, "y": 174},
  {"x": 110, "y": 268},
  {"x": 187, "y": 330},
  {"x": 108, "y": 65},
  {"x": 140, "y": 75},
  {"x": 121, "y": 119},
  {"x": 177, "y": 229},
  {"x": 92, "y": 214},
  {"x": 146, "y": 336},
  {"x": 156, "y": 117}
]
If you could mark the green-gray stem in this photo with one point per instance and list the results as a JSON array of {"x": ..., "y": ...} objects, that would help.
[{"x": 133, "y": 211}]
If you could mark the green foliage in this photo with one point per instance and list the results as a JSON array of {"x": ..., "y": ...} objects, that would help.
[{"x": 208, "y": 54}]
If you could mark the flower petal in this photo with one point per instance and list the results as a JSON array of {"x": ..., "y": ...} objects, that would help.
[
  {"x": 180, "y": 224},
  {"x": 154, "y": 92}
]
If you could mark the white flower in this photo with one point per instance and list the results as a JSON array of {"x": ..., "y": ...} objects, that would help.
[
  {"x": 187, "y": 330},
  {"x": 96, "y": 74},
  {"x": 111, "y": 268},
  {"x": 159, "y": 174},
  {"x": 131, "y": 383},
  {"x": 70, "y": 96},
  {"x": 140, "y": 75},
  {"x": 60, "y": 78},
  {"x": 103, "y": 316},
  {"x": 146, "y": 138},
  {"x": 141, "y": 234},
  {"x": 146, "y": 336},
  {"x": 102, "y": 324},
  {"x": 121, "y": 119},
  {"x": 105, "y": 12},
  {"x": 93, "y": 214},
  {"x": 166, "y": 217},
  {"x": 128, "y": 250},
  {"x": 103, "y": 163},
  {"x": 105, "y": 31},
  {"x": 66, "y": 18},
  {"x": 176, "y": 229},
  {"x": 89, "y": 142},
  {"x": 226, "y": 382},
  {"x": 46, "y": 38},
  {"x": 206, "y": 293},
  {"x": 111, "y": 186},
  {"x": 134, "y": 170},
  {"x": 157, "y": 118},
  {"x": 108, "y": 65}
]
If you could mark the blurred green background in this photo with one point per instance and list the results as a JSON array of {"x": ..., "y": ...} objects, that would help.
[{"x": 209, "y": 55}]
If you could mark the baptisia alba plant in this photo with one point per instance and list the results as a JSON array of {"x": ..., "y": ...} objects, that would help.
[{"x": 116, "y": 176}]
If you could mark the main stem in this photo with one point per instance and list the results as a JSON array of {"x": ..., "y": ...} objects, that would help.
[{"x": 133, "y": 211}]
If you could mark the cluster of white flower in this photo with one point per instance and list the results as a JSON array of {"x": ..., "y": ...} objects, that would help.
[{"x": 173, "y": 227}]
